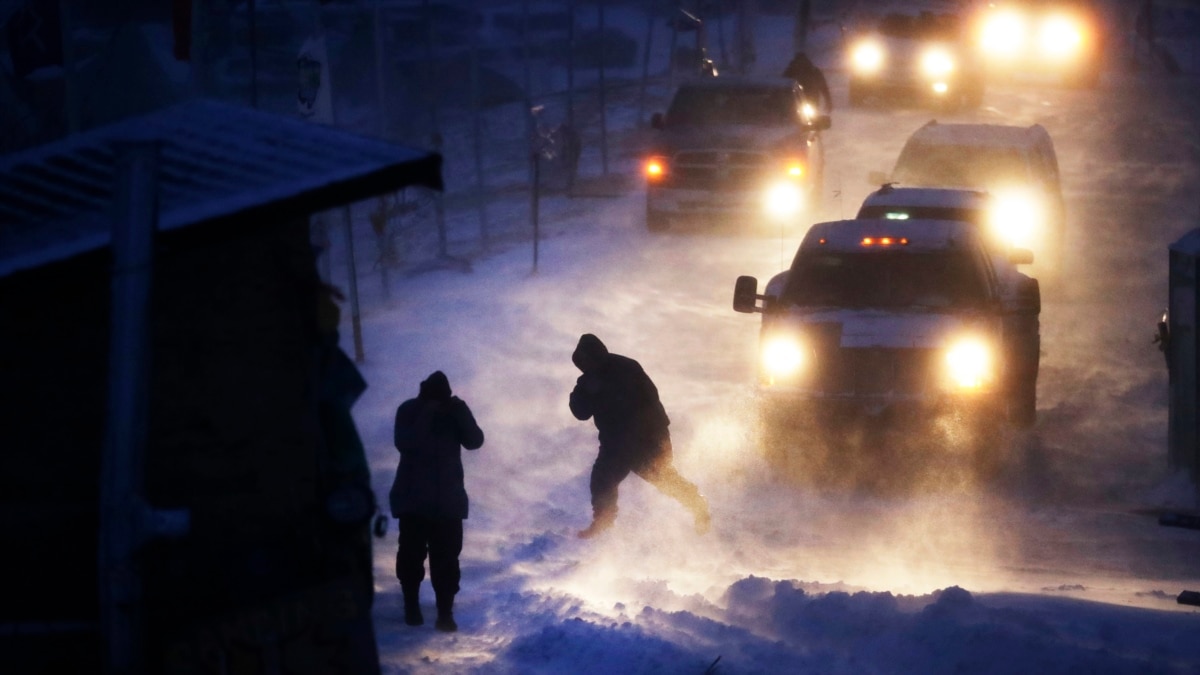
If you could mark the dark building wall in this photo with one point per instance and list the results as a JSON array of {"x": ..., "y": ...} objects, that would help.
[{"x": 234, "y": 437}]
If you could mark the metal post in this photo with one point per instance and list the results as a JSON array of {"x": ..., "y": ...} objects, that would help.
[
  {"x": 133, "y": 226},
  {"x": 477, "y": 131},
  {"x": 603, "y": 95},
  {"x": 355, "y": 318}
]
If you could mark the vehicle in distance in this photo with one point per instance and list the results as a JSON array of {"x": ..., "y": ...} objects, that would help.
[
  {"x": 1016, "y": 165},
  {"x": 1039, "y": 38},
  {"x": 913, "y": 318},
  {"x": 735, "y": 147},
  {"x": 913, "y": 53}
]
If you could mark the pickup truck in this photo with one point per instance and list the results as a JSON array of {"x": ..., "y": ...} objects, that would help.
[{"x": 735, "y": 147}]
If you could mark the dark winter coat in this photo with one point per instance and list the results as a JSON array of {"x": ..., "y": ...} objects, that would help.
[
  {"x": 617, "y": 394},
  {"x": 430, "y": 432}
]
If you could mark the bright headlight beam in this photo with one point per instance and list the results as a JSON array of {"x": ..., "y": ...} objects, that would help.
[
  {"x": 867, "y": 57},
  {"x": 781, "y": 356},
  {"x": 937, "y": 63},
  {"x": 1059, "y": 36},
  {"x": 1016, "y": 217},
  {"x": 969, "y": 362},
  {"x": 782, "y": 199},
  {"x": 1004, "y": 34}
]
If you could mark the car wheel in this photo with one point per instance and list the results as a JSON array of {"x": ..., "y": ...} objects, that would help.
[{"x": 657, "y": 221}]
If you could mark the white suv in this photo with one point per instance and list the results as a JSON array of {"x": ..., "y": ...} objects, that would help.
[{"x": 1016, "y": 165}]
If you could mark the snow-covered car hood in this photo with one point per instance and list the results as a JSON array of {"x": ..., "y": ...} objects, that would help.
[{"x": 907, "y": 329}]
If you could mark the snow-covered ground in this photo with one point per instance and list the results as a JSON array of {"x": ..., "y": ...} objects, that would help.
[{"x": 1055, "y": 565}]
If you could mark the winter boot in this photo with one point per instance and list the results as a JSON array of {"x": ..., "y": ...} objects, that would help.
[
  {"x": 445, "y": 618},
  {"x": 412, "y": 607}
]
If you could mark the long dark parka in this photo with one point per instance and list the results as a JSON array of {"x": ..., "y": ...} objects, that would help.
[{"x": 430, "y": 432}]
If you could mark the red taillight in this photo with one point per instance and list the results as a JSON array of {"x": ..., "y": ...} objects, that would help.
[{"x": 656, "y": 168}]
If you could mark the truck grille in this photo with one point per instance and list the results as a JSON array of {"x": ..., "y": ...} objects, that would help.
[
  {"x": 710, "y": 170},
  {"x": 874, "y": 372}
]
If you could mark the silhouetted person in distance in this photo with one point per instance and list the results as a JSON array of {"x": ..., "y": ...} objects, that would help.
[
  {"x": 617, "y": 394},
  {"x": 428, "y": 496},
  {"x": 810, "y": 77}
]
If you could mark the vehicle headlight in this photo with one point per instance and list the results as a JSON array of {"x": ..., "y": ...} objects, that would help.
[
  {"x": 1003, "y": 34},
  {"x": 1016, "y": 217},
  {"x": 937, "y": 63},
  {"x": 970, "y": 364},
  {"x": 782, "y": 356},
  {"x": 1060, "y": 36},
  {"x": 866, "y": 58},
  {"x": 783, "y": 199}
]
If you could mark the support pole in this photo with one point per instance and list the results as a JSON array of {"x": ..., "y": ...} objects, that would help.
[
  {"x": 121, "y": 470},
  {"x": 355, "y": 317}
]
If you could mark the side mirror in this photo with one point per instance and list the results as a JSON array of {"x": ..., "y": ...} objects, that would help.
[
  {"x": 820, "y": 123},
  {"x": 656, "y": 121},
  {"x": 877, "y": 178},
  {"x": 745, "y": 295},
  {"x": 1020, "y": 256}
]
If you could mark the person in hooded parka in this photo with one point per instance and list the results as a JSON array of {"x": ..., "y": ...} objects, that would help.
[
  {"x": 428, "y": 496},
  {"x": 616, "y": 393}
]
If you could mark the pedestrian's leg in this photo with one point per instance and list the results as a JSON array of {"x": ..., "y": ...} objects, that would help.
[
  {"x": 662, "y": 474},
  {"x": 606, "y": 477},
  {"x": 410, "y": 565},
  {"x": 445, "y": 546}
]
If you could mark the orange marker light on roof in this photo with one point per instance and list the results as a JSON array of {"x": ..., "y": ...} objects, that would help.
[{"x": 868, "y": 241}]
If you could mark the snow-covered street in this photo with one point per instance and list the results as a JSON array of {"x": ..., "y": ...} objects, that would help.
[{"x": 1057, "y": 564}]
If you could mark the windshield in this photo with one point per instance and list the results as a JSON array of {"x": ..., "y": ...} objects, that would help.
[
  {"x": 978, "y": 166},
  {"x": 924, "y": 26},
  {"x": 704, "y": 106},
  {"x": 886, "y": 280}
]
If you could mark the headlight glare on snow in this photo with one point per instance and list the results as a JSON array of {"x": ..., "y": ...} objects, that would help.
[{"x": 969, "y": 364}]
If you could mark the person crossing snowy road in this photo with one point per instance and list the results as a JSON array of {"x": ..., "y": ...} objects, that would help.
[{"x": 617, "y": 394}]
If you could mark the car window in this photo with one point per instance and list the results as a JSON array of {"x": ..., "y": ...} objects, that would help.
[
  {"x": 979, "y": 166},
  {"x": 701, "y": 106},
  {"x": 886, "y": 280},
  {"x": 924, "y": 26}
]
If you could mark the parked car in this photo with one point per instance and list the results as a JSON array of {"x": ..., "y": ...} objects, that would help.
[
  {"x": 913, "y": 318},
  {"x": 1063, "y": 39},
  {"x": 735, "y": 147},
  {"x": 914, "y": 53},
  {"x": 1016, "y": 165}
]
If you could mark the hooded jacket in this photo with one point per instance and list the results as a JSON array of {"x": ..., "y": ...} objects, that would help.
[
  {"x": 430, "y": 432},
  {"x": 620, "y": 398}
]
